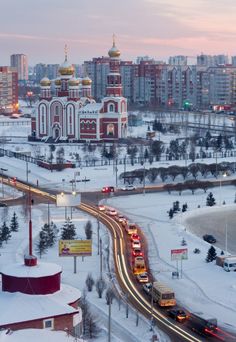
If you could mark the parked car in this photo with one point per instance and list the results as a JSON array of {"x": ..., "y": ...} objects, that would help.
[
  {"x": 129, "y": 187},
  {"x": 143, "y": 277},
  {"x": 3, "y": 204},
  {"x": 178, "y": 314},
  {"x": 209, "y": 238}
]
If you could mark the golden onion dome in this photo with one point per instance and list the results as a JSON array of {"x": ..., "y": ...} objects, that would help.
[
  {"x": 57, "y": 82},
  {"x": 86, "y": 81},
  {"x": 73, "y": 82},
  {"x": 114, "y": 52},
  {"x": 45, "y": 82},
  {"x": 66, "y": 68}
]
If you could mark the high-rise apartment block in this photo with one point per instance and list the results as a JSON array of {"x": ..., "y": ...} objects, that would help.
[
  {"x": 178, "y": 60},
  {"x": 20, "y": 62},
  {"x": 210, "y": 82},
  {"x": 8, "y": 90}
]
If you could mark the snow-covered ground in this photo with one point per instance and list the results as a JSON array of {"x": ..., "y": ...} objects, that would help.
[{"x": 203, "y": 287}]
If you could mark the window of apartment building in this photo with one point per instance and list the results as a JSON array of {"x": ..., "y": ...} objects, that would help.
[{"x": 48, "y": 323}]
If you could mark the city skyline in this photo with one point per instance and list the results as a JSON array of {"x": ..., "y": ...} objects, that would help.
[{"x": 157, "y": 28}]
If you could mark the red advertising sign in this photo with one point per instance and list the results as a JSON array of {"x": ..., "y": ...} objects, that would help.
[{"x": 179, "y": 254}]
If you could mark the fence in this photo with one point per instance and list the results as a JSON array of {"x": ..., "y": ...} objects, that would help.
[{"x": 122, "y": 161}]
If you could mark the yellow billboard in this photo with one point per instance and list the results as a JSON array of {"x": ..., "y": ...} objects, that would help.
[{"x": 75, "y": 247}]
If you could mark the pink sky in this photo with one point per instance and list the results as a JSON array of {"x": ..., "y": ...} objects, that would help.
[{"x": 158, "y": 28}]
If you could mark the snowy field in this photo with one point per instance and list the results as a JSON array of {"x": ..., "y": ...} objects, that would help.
[{"x": 203, "y": 287}]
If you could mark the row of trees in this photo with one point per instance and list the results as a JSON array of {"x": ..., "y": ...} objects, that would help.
[{"x": 193, "y": 170}]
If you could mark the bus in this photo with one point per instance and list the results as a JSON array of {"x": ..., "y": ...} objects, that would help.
[{"x": 163, "y": 295}]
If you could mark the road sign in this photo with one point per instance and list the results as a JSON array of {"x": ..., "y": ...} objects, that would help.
[
  {"x": 179, "y": 254},
  {"x": 75, "y": 247}
]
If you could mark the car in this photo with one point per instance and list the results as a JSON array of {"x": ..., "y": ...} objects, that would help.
[
  {"x": 101, "y": 207},
  {"x": 178, "y": 314},
  {"x": 143, "y": 277},
  {"x": 134, "y": 237},
  {"x": 209, "y": 238},
  {"x": 131, "y": 228},
  {"x": 120, "y": 218},
  {"x": 137, "y": 252},
  {"x": 111, "y": 212},
  {"x": 136, "y": 244},
  {"x": 129, "y": 187},
  {"x": 3, "y": 204},
  {"x": 108, "y": 189},
  {"x": 147, "y": 288}
]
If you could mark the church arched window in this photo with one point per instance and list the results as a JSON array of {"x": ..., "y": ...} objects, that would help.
[
  {"x": 42, "y": 127},
  {"x": 111, "y": 107},
  {"x": 70, "y": 120}
]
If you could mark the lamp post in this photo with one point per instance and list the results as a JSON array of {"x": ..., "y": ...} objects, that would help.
[
  {"x": 144, "y": 183},
  {"x": 27, "y": 172},
  {"x": 224, "y": 175},
  {"x": 226, "y": 237},
  {"x": 2, "y": 170}
]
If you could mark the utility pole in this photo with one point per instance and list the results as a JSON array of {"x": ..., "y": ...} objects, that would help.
[
  {"x": 100, "y": 242},
  {"x": 109, "y": 320},
  {"x": 2, "y": 170}
]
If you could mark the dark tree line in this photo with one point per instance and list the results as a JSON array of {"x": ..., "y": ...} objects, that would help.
[{"x": 194, "y": 170}]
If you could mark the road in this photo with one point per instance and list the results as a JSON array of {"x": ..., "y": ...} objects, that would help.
[{"x": 127, "y": 282}]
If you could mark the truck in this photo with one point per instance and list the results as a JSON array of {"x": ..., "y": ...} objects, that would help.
[
  {"x": 230, "y": 264},
  {"x": 204, "y": 326}
]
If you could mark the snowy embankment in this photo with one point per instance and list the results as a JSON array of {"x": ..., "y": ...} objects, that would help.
[{"x": 202, "y": 287}]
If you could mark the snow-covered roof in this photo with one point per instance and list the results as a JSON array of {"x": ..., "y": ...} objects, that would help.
[
  {"x": 36, "y": 335},
  {"x": 40, "y": 270},
  {"x": 91, "y": 108},
  {"x": 36, "y": 306}
]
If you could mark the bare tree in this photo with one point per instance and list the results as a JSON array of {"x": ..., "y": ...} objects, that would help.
[
  {"x": 100, "y": 287},
  {"x": 88, "y": 230},
  {"x": 89, "y": 282}
]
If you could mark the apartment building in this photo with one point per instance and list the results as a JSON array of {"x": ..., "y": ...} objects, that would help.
[{"x": 8, "y": 90}]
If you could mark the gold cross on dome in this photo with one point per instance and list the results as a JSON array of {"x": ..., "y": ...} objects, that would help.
[
  {"x": 66, "y": 50},
  {"x": 113, "y": 39}
]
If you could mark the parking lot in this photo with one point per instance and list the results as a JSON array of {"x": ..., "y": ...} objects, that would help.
[{"x": 218, "y": 224}]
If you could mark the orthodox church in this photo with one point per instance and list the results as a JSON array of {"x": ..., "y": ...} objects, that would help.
[{"x": 72, "y": 114}]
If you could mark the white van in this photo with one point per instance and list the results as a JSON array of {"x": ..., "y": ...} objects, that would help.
[{"x": 230, "y": 264}]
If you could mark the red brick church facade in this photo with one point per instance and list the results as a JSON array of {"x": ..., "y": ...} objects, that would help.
[{"x": 73, "y": 114}]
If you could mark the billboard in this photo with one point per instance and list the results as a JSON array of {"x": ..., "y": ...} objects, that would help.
[
  {"x": 179, "y": 254},
  {"x": 68, "y": 200},
  {"x": 75, "y": 247}
]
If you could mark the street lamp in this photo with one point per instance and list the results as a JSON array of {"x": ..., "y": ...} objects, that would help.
[
  {"x": 27, "y": 172},
  {"x": 2, "y": 170},
  {"x": 224, "y": 175}
]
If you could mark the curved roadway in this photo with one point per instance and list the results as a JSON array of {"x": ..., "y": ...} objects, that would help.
[{"x": 176, "y": 331}]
